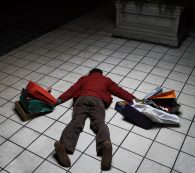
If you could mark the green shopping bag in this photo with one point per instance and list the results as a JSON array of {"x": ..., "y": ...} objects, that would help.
[{"x": 34, "y": 105}]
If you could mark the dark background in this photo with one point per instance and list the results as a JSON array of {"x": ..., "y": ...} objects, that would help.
[{"x": 22, "y": 21}]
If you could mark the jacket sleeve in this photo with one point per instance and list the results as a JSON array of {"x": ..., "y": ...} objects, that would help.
[
  {"x": 68, "y": 94},
  {"x": 120, "y": 92}
]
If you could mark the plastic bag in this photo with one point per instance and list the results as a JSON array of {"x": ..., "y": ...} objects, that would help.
[
  {"x": 37, "y": 92},
  {"x": 157, "y": 115},
  {"x": 34, "y": 105}
]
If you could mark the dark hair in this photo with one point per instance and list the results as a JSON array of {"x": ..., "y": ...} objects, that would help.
[{"x": 95, "y": 70}]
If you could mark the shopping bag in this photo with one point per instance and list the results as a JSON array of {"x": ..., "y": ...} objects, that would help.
[
  {"x": 165, "y": 95},
  {"x": 33, "y": 105},
  {"x": 132, "y": 115},
  {"x": 156, "y": 115},
  {"x": 37, "y": 92},
  {"x": 165, "y": 101},
  {"x": 153, "y": 92},
  {"x": 24, "y": 115}
]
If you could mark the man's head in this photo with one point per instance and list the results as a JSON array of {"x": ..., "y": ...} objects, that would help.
[{"x": 95, "y": 70}]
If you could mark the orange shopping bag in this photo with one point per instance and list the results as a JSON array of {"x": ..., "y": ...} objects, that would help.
[
  {"x": 165, "y": 95},
  {"x": 37, "y": 92}
]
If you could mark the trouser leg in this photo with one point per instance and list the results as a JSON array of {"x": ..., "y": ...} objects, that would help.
[
  {"x": 97, "y": 116},
  {"x": 72, "y": 131}
]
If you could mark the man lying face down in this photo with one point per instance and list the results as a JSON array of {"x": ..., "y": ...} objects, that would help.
[{"x": 91, "y": 95}]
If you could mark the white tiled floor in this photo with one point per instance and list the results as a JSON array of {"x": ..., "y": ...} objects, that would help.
[{"x": 58, "y": 59}]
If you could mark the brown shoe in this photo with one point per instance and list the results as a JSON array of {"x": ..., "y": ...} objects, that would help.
[
  {"x": 106, "y": 155},
  {"x": 62, "y": 156}
]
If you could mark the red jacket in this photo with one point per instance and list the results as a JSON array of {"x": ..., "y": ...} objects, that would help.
[{"x": 98, "y": 85}]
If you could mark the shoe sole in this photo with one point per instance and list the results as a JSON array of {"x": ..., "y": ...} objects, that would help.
[
  {"x": 62, "y": 157},
  {"x": 107, "y": 157}
]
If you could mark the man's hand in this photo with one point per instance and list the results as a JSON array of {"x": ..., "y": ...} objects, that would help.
[
  {"x": 139, "y": 100},
  {"x": 59, "y": 101}
]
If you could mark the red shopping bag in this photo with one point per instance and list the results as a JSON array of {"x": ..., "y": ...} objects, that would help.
[{"x": 37, "y": 92}]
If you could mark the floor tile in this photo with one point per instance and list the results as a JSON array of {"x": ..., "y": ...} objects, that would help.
[
  {"x": 99, "y": 57},
  {"x": 7, "y": 109},
  {"x": 136, "y": 144},
  {"x": 55, "y": 130},
  {"x": 58, "y": 73},
  {"x": 151, "y": 133},
  {"x": 34, "y": 76},
  {"x": 2, "y": 75},
  {"x": 73, "y": 158},
  {"x": 26, "y": 162},
  {"x": 189, "y": 89},
  {"x": 185, "y": 163},
  {"x": 8, "y": 151},
  {"x": 90, "y": 63},
  {"x": 40, "y": 124},
  {"x": 165, "y": 65},
  {"x": 192, "y": 130},
  {"x": 119, "y": 54},
  {"x": 24, "y": 137},
  {"x": 2, "y": 101},
  {"x": 178, "y": 76},
  {"x": 33, "y": 66},
  {"x": 9, "y": 80},
  {"x": 143, "y": 67},
  {"x": 47, "y": 81},
  {"x": 149, "y": 61},
  {"x": 153, "y": 79},
  {"x": 86, "y": 164},
  {"x": 105, "y": 67},
  {"x": 43, "y": 146},
  {"x": 186, "y": 99},
  {"x": 49, "y": 168},
  {"x": 84, "y": 141},
  {"x": 187, "y": 112},
  {"x": 20, "y": 84},
  {"x": 45, "y": 69},
  {"x": 128, "y": 64},
  {"x": 9, "y": 93},
  {"x": 165, "y": 156},
  {"x": 77, "y": 60},
  {"x": 117, "y": 134},
  {"x": 146, "y": 87},
  {"x": 118, "y": 120},
  {"x": 115, "y": 77},
  {"x": 191, "y": 80},
  {"x": 141, "y": 52},
  {"x": 10, "y": 69},
  {"x": 120, "y": 70},
  {"x": 183, "y": 126},
  {"x": 8, "y": 128},
  {"x": 183, "y": 69},
  {"x": 189, "y": 146},
  {"x": 126, "y": 161},
  {"x": 173, "y": 85},
  {"x": 57, "y": 112},
  {"x": 130, "y": 83},
  {"x": 160, "y": 48},
  {"x": 160, "y": 71},
  {"x": 72, "y": 77},
  {"x": 91, "y": 150},
  {"x": 82, "y": 70},
  {"x": 62, "y": 85},
  {"x": 149, "y": 166},
  {"x": 134, "y": 57},
  {"x": 21, "y": 73},
  {"x": 137, "y": 75},
  {"x": 170, "y": 138},
  {"x": 170, "y": 58}
]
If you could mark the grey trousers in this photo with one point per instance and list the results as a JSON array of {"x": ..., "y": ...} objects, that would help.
[{"x": 86, "y": 106}]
